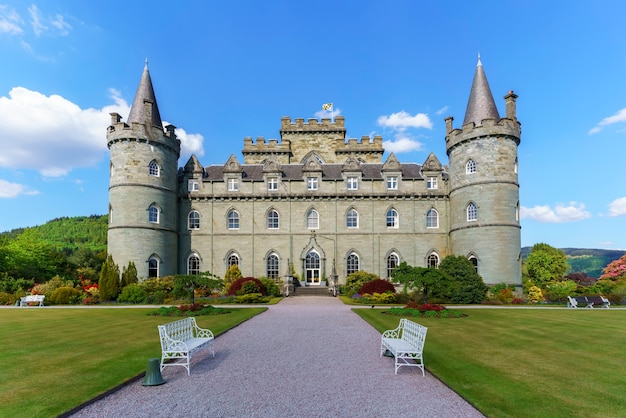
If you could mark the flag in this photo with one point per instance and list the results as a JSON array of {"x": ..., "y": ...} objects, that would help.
[{"x": 327, "y": 106}]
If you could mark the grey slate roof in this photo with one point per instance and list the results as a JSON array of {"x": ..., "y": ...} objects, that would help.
[
  {"x": 480, "y": 104},
  {"x": 145, "y": 92}
]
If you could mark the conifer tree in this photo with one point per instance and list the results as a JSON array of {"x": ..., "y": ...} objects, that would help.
[
  {"x": 109, "y": 283},
  {"x": 129, "y": 274}
]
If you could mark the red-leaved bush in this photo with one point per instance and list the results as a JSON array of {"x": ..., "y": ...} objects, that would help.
[
  {"x": 425, "y": 306},
  {"x": 236, "y": 286},
  {"x": 376, "y": 286}
]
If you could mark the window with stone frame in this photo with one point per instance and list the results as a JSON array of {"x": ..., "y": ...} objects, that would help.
[
  {"x": 233, "y": 185},
  {"x": 153, "y": 214},
  {"x": 153, "y": 267},
  {"x": 193, "y": 220},
  {"x": 153, "y": 168},
  {"x": 232, "y": 260},
  {"x": 431, "y": 183},
  {"x": 392, "y": 218},
  {"x": 472, "y": 212},
  {"x": 312, "y": 219},
  {"x": 272, "y": 266},
  {"x": 311, "y": 183},
  {"x": 272, "y": 184},
  {"x": 272, "y": 219},
  {"x": 392, "y": 263},
  {"x": 432, "y": 260},
  {"x": 392, "y": 183},
  {"x": 352, "y": 218},
  {"x": 352, "y": 183},
  {"x": 233, "y": 219},
  {"x": 432, "y": 218},
  {"x": 193, "y": 264},
  {"x": 470, "y": 166},
  {"x": 352, "y": 264}
]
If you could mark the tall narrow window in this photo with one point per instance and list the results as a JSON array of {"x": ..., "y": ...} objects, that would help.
[
  {"x": 193, "y": 220},
  {"x": 153, "y": 168},
  {"x": 272, "y": 266},
  {"x": 472, "y": 212},
  {"x": 352, "y": 264},
  {"x": 153, "y": 214},
  {"x": 352, "y": 218},
  {"x": 474, "y": 262},
  {"x": 432, "y": 219},
  {"x": 433, "y": 260},
  {"x": 193, "y": 264},
  {"x": 233, "y": 219},
  {"x": 392, "y": 263},
  {"x": 312, "y": 219},
  {"x": 470, "y": 167},
  {"x": 272, "y": 219},
  {"x": 392, "y": 218},
  {"x": 153, "y": 267}
]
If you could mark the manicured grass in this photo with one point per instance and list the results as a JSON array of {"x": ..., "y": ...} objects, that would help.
[
  {"x": 53, "y": 360},
  {"x": 528, "y": 362}
]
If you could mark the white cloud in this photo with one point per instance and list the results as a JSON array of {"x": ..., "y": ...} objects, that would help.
[
  {"x": 35, "y": 20},
  {"x": 61, "y": 25},
  {"x": 10, "y": 21},
  {"x": 189, "y": 143},
  {"x": 618, "y": 207},
  {"x": 10, "y": 190},
  {"x": 402, "y": 144},
  {"x": 619, "y": 117},
  {"x": 560, "y": 214},
  {"x": 402, "y": 120},
  {"x": 442, "y": 110},
  {"x": 327, "y": 114}
]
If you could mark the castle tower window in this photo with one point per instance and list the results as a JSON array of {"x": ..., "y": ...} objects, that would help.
[
  {"x": 311, "y": 183},
  {"x": 392, "y": 183},
  {"x": 272, "y": 184},
  {"x": 392, "y": 263},
  {"x": 153, "y": 214},
  {"x": 470, "y": 167},
  {"x": 474, "y": 262},
  {"x": 232, "y": 260},
  {"x": 193, "y": 220},
  {"x": 392, "y": 218},
  {"x": 193, "y": 264},
  {"x": 472, "y": 212},
  {"x": 352, "y": 183},
  {"x": 193, "y": 185},
  {"x": 432, "y": 219},
  {"x": 431, "y": 183},
  {"x": 352, "y": 218},
  {"x": 233, "y": 219},
  {"x": 153, "y": 168},
  {"x": 272, "y": 219},
  {"x": 432, "y": 260},
  {"x": 153, "y": 267},
  {"x": 312, "y": 219},
  {"x": 272, "y": 266},
  {"x": 233, "y": 185},
  {"x": 352, "y": 264}
]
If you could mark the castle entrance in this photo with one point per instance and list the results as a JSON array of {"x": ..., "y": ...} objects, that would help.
[{"x": 312, "y": 268}]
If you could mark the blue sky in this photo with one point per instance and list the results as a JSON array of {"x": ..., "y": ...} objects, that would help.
[{"x": 224, "y": 70}]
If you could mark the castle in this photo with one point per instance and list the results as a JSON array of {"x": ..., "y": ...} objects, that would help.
[{"x": 315, "y": 203}]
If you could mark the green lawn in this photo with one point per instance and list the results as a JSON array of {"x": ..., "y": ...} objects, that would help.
[
  {"x": 52, "y": 360},
  {"x": 528, "y": 362}
]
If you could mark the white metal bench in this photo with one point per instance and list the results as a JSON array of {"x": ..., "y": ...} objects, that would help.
[
  {"x": 26, "y": 300},
  {"x": 405, "y": 343},
  {"x": 180, "y": 339},
  {"x": 588, "y": 301}
]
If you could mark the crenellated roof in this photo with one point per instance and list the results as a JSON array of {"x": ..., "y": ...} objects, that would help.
[{"x": 480, "y": 104}]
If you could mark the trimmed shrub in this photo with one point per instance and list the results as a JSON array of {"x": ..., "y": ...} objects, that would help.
[
  {"x": 237, "y": 286},
  {"x": 7, "y": 298},
  {"x": 251, "y": 298},
  {"x": 133, "y": 293},
  {"x": 377, "y": 286},
  {"x": 355, "y": 280},
  {"x": 66, "y": 296},
  {"x": 271, "y": 288}
]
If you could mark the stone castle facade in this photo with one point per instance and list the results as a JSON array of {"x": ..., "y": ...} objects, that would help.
[{"x": 316, "y": 203}]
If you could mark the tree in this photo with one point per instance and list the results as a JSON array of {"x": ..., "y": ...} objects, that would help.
[
  {"x": 233, "y": 273},
  {"x": 129, "y": 275},
  {"x": 430, "y": 281},
  {"x": 109, "y": 282},
  {"x": 466, "y": 285},
  {"x": 355, "y": 280},
  {"x": 545, "y": 264},
  {"x": 186, "y": 284},
  {"x": 615, "y": 270}
]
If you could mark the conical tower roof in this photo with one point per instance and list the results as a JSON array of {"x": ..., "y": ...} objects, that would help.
[
  {"x": 480, "y": 104},
  {"x": 145, "y": 93}
]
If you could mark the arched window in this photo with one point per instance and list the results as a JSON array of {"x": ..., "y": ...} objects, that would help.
[
  {"x": 193, "y": 264},
  {"x": 352, "y": 264},
  {"x": 272, "y": 266},
  {"x": 153, "y": 214},
  {"x": 153, "y": 267},
  {"x": 232, "y": 260},
  {"x": 472, "y": 212},
  {"x": 312, "y": 219},
  {"x": 392, "y": 218},
  {"x": 432, "y": 260},
  {"x": 272, "y": 219},
  {"x": 193, "y": 220},
  {"x": 432, "y": 219},
  {"x": 233, "y": 219},
  {"x": 470, "y": 167},
  {"x": 474, "y": 261},
  {"x": 352, "y": 218},
  {"x": 392, "y": 263},
  {"x": 153, "y": 168},
  {"x": 517, "y": 212}
]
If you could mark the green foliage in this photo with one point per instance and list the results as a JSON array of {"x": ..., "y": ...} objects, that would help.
[
  {"x": 426, "y": 282},
  {"x": 559, "y": 291},
  {"x": 466, "y": 285},
  {"x": 158, "y": 289},
  {"x": 248, "y": 287},
  {"x": 133, "y": 293},
  {"x": 379, "y": 298},
  {"x": 271, "y": 288},
  {"x": 66, "y": 296},
  {"x": 251, "y": 298},
  {"x": 238, "y": 284},
  {"x": 233, "y": 273},
  {"x": 355, "y": 280},
  {"x": 7, "y": 298},
  {"x": 535, "y": 295},
  {"x": 10, "y": 285},
  {"x": 129, "y": 274},
  {"x": 185, "y": 285},
  {"x": 109, "y": 282},
  {"x": 546, "y": 264},
  {"x": 189, "y": 310}
]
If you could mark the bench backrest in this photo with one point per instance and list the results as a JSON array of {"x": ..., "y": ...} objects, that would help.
[
  {"x": 181, "y": 330},
  {"x": 413, "y": 333},
  {"x": 34, "y": 298}
]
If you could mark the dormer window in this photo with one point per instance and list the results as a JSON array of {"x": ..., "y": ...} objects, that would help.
[
  {"x": 272, "y": 184},
  {"x": 431, "y": 183},
  {"x": 352, "y": 183},
  {"x": 193, "y": 185},
  {"x": 233, "y": 185},
  {"x": 311, "y": 183},
  {"x": 392, "y": 183}
]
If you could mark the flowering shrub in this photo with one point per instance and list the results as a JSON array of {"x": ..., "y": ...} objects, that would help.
[
  {"x": 535, "y": 295},
  {"x": 237, "y": 286},
  {"x": 615, "y": 270},
  {"x": 377, "y": 286},
  {"x": 425, "y": 306},
  {"x": 378, "y": 298}
]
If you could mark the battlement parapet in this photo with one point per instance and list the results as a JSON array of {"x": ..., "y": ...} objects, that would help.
[
  {"x": 121, "y": 131},
  {"x": 489, "y": 127},
  {"x": 263, "y": 146},
  {"x": 312, "y": 125},
  {"x": 364, "y": 144}
]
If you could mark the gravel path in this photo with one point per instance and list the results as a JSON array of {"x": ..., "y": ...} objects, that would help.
[{"x": 304, "y": 357}]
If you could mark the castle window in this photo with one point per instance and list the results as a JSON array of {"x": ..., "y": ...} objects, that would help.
[
  {"x": 153, "y": 267},
  {"x": 515, "y": 166},
  {"x": 474, "y": 262},
  {"x": 272, "y": 266},
  {"x": 352, "y": 218},
  {"x": 193, "y": 185},
  {"x": 153, "y": 214},
  {"x": 193, "y": 220},
  {"x": 233, "y": 185},
  {"x": 272, "y": 184},
  {"x": 432, "y": 260},
  {"x": 352, "y": 264},
  {"x": 431, "y": 183},
  {"x": 193, "y": 264},
  {"x": 392, "y": 218},
  {"x": 272, "y": 219},
  {"x": 153, "y": 168},
  {"x": 312, "y": 219},
  {"x": 392, "y": 183},
  {"x": 472, "y": 212},
  {"x": 311, "y": 183},
  {"x": 432, "y": 219},
  {"x": 470, "y": 167},
  {"x": 392, "y": 263},
  {"x": 353, "y": 183},
  {"x": 233, "y": 219},
  {"x": 232, "y": 260}
]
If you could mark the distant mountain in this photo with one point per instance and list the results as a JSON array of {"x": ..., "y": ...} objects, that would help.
[{"x": 585, "y": 260}]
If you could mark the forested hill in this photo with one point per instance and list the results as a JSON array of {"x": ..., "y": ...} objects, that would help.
[
  {"x": 586, "y": 260},
  {"x": 65, "y": 234}
]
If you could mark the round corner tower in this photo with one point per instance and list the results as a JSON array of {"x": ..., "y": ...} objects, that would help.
[
  {"x": 484, "y": 188},
  {"x": 143, "y": 187}
]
